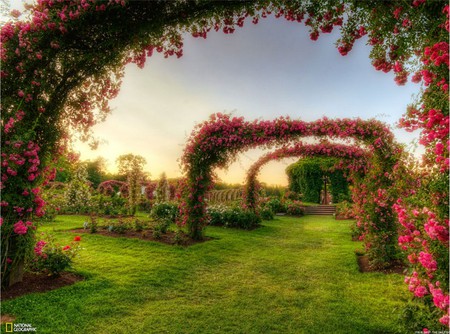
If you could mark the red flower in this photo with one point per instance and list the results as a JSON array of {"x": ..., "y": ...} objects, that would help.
[
  {"x": 66, "y": 247},
  {"x": 77, "y": 238}
]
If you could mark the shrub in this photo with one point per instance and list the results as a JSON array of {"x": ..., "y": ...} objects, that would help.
[
  {"x": 266, "y": 213},
  {"x": 54, "y": 203},
  {"x": 179, "y": 237},
  {"x": 216, "y": 214},
  {"x": 165, "y": 211},
  {"x": 93, "y": 225},
  {"x": 295, "y": 208},
  {"x": 144, "y": 204},
  {"x": 276, "y": 205},
  {"x": 121, "y": 226},
  {"x": 108, "y": 205},
  {"x": 220, "y": 215},
  {"x": 162, "y": 226},
  {"x": 345, "y": 210},
  {"x": 244, "y": 219},
  {"x": 292, "y": 195},
  {"x": 156, "y": 234},
  {"x": 78, "y": 195},
  {"x": 52, "y": 258},
  {"x": 139, "y": 225}
]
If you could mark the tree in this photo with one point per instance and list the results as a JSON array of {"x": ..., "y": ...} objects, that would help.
[
  {"x": 162, "y": 190},
  {"x": 78, "y": 195},
  {"x": 309, "y": 175},
  {"x": 96, "y": 171},
  {"x": 132, "y": 166}
]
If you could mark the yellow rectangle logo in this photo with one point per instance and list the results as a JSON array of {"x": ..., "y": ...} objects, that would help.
[{"x": 9, "y": 327}]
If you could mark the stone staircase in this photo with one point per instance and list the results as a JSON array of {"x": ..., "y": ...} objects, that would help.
[{"x": 320, "y": 210}]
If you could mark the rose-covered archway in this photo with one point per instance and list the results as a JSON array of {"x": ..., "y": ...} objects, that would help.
[
  {"x": 353, "y": 159},
  {"x": 216, "y": 142},
  {"x": 62, "y": 63}
]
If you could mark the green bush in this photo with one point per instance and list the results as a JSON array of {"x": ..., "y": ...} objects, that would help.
[
  {"x": 244, "y": 219},
  {"x": 165, "y": 211},
  {"x": 139, "y": 226},
  {"x": 266, "y": 213},
  {"x": 345, "y": 210},
  {"x": 276, "y": 205},
  {"x": 108, "y": 205},
  {"x": 52, "y": 258},
  {"x": 162, "y": 226},
  {"x": 236, "y": 217},
  {"x": 93, "y": 225},
  {"x": 295, "y": 208},
  {"x": 121, "y": 226},
  {"x": 216, "y": 214}
]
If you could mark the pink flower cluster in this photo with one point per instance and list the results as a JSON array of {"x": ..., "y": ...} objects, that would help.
[
  {"x": 22, "y": 228},
  {"x": 39, "y": 246},
  {"x": 421, "y": 256},
  {"x": 111, "y": 187}
]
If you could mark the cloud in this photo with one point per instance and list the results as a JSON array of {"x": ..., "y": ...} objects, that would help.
[{"x": 262, "y": 71}]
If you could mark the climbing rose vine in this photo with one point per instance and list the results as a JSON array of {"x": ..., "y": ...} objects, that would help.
[
  {"x": 216, "y": 142},
  {"x": 354, "y": 161}
]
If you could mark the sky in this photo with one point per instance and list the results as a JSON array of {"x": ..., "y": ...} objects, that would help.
[{"x": 261, "y": 71}]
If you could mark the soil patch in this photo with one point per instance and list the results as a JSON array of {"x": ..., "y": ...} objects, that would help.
[
  {"x": 38, "y": 283},
  {"x": 7, "y": 318},
  {"x": 169, "y": 238},
  {"x": 365, "y": 267}
]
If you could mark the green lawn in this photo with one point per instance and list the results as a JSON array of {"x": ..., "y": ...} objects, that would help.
[{"x": 293, "y": 275}]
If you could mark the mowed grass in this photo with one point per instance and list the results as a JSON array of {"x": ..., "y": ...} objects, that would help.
[{"x": 293, "y": 275}]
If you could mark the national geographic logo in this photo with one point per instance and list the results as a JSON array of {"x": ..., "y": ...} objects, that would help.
[{"x": 19, "y": 327}]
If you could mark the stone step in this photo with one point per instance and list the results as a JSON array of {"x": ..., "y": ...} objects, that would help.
[{"x": 320, "y": 210}]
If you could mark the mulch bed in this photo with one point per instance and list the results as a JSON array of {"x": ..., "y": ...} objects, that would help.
[
  {"x": 365, "y": 267},
  {"x": 39, "y": 283},
  {"x": 167, "y": 238}
]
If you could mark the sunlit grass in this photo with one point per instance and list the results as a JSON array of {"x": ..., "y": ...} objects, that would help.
[{"x": 293, "y": 275}]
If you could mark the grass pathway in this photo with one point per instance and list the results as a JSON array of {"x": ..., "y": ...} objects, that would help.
[{"x": 293, "y": 275}]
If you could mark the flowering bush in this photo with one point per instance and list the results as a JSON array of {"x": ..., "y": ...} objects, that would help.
[
  {"x": 108, "y": 205},
  {"x": 53, "y": 195},
  {"x": 132, "y": 166},
  {"x": 266, "y": 213},
  {"x": 290, "y": 195},
  {"x": 78, "y": 194},
  {"x": 235, "y": 217},
  {"x": 52, "y": 258},
  {"x": 162, "y": 190},
  {"x": 217, "y": 214},
  {"x": 295, "y": 208},
  {"x": 345, "y": 210},
  {"x": 276, "y": 205},
  {"x": 113, "y": 188},
  {"x": 165, "y": 211},
  {"x": 120, "y": 226},
  {"x": 425, "y": 238}
]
